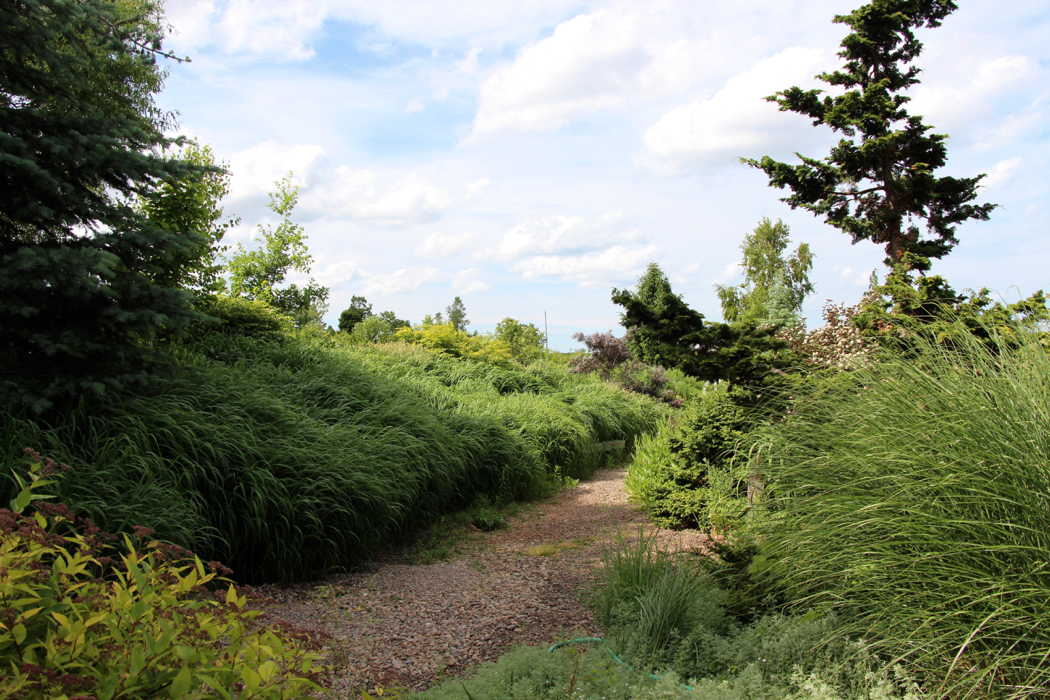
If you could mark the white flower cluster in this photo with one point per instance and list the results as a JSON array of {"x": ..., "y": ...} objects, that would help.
[{"x": 838, "y": 343}]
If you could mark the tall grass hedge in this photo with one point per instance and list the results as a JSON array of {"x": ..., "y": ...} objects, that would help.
[
  {"x": 290, "y": 459},
  {"x": 916, "y": 502}
]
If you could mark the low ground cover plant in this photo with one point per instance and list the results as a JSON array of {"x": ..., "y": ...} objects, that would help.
[{"x": 85, "y": 615}]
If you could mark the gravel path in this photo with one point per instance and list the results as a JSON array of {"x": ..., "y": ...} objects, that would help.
[{"x": 408, "y": 625}]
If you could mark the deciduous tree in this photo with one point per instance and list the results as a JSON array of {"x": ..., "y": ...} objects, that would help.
[
  {"x": 359, "y": 310},
  {"x": 261, "y": 273},
  {"x": 524, "y": 341},
  {"x": 774, "y": 286},
  {"x": 457, "y": 315},
  {"x": 190, "y": 207}
]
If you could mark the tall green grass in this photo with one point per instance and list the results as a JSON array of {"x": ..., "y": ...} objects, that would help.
[
  {"x": 917, "y": 502},
  {"x": 287, "y": 460},
  {"x": 558, "y": 415}
]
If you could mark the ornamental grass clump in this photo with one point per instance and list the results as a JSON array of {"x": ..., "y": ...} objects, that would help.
[{"x": 915, "y": 502}]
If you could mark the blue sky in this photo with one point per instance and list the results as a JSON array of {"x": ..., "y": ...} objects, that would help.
[{"x": 530, "y": 156}]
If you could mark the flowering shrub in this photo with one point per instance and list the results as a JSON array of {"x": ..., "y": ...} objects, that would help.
[
  {"x": 838, "y": 343},
  {"x": 81, "y": 620}
]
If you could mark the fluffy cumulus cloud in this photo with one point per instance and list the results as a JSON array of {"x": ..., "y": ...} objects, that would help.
[
  {"x": 279, "y": 28},
  {"x": 1002, "y": 172},
  {"x": 468, "y": 282},
  {"x": 562, "y": 234},
  {"x": 616, "y": 264},
  {"x": 287, "y": 29},
  {"x": 404, "y": 280},
  {"x": 732, "y": 273},
  {"x": 342, "y": 192},
  {"x": 356, "y": 194},
  {"x": 255, "y": 170},
  {"x": 736, "y": 120},
  {"x": 338, "y": 273},
  {"x": 573, "y": 248},
  {"x": 591, "y": 62},
  {"x": 440, "y": 245},
  {"x": 968, "y": 90}
]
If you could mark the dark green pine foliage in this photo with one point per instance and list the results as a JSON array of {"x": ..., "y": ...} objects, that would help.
[
  {"x": 79, "y": 141},
  {"x": 671, "y": 334},
  {"x": 878, "y": 183}
]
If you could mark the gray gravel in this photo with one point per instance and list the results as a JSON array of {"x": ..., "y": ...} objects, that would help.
[{"x": 407, "y": 626}]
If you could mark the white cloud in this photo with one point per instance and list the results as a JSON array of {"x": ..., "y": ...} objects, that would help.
[
  {"x": 285, "y": 28},
  {"x": 589, "y": 270},
  {"x": 255, "y": 170},
  {"x": 730, "y": 274},
  {"x": 1022, "y": 122},
  {"x": 467, "y": 282},
  {"x": 440, "y": 245},
  {"x": 337, "y": 273},
  {"x": 353, "y": 193},
  {"x": 341, "y": 192},
  {"x": 562, "y": 234},
  {"x": 415, "y": 105},
  {"x": 404, "y": 280},
  {"x": 969, "y": 90},
  {"x": 279, "y": 28},
  {"x": 735, "y": 121},
  {"x": 1001, "y": 173},
  {"x": 470, "y": 65},
  {"x": 591, "y": 62},
  {"x": 477, "y": 186}
]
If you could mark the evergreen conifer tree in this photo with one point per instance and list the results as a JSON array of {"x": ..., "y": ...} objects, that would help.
[
  {"x": 80, "y": 144},
  {"x": 878, "y": 182}
]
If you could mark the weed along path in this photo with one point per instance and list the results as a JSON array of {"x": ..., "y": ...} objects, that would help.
[{"x": 406, "y": 625}]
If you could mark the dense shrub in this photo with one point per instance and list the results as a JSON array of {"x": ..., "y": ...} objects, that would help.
[
  {"x": 446, "y": 338},
  {"x": 839, "y": 343},
  {"x": 288, "y": 460},
  {"x": 611, "y": 359},
  {"x": 687, "y": 475},
  {"x": 914, "y": 500},
  {"x": 87, "y": 618},
  {"x": 248, "y": 317},
  {"x": 605, "y": 352}
]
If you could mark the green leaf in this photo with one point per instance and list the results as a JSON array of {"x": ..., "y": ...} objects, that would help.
[
  {"x": 138, "y": 661},
  {"x": 181, "y": 685},
  {"x": 187, "y": 654}
]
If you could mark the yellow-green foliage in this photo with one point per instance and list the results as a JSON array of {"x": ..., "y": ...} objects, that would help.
[
  {"x": 75, "y": 623},
  {"x": 250, "y": 317},
  {"x": 447, "y": 339}
]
